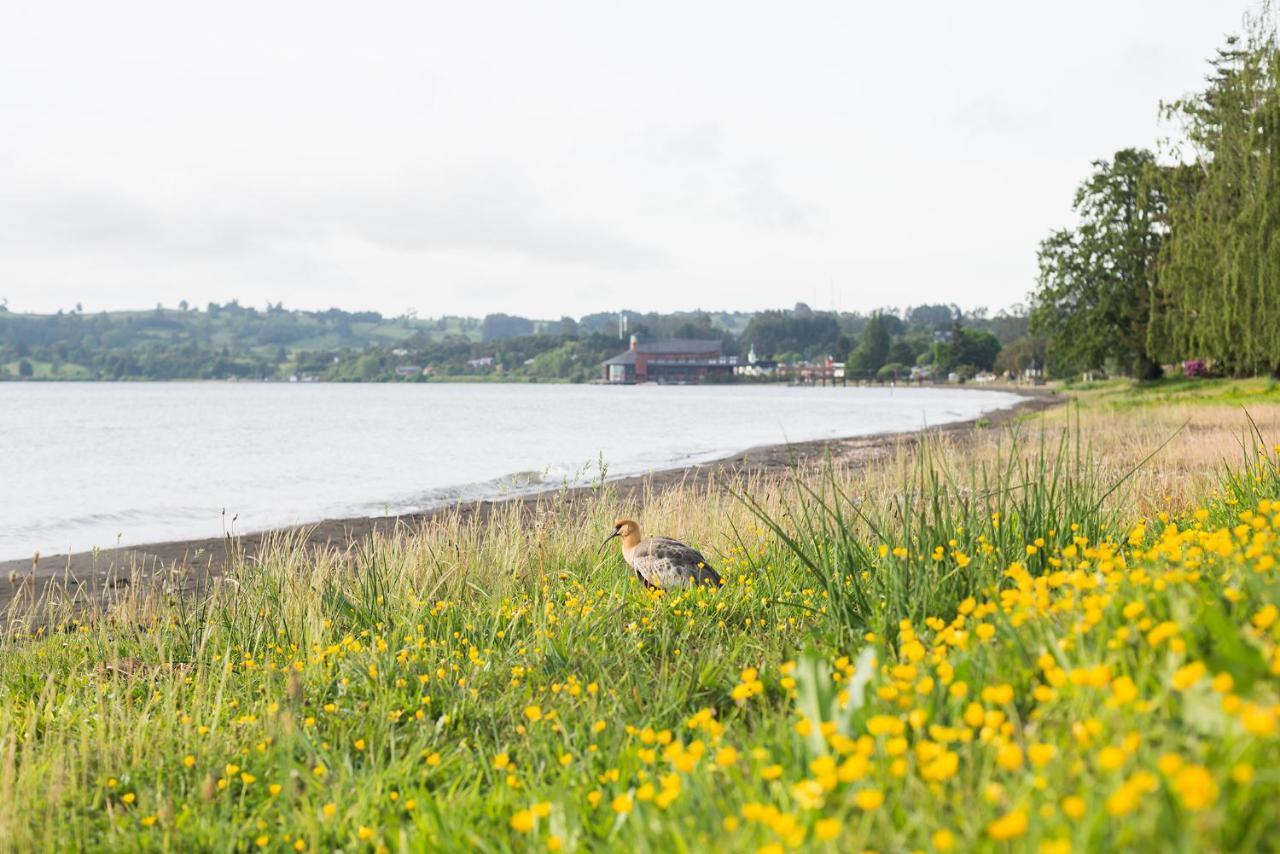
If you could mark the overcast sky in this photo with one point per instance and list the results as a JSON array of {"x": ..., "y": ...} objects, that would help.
[{"x": 549, "y": 158}]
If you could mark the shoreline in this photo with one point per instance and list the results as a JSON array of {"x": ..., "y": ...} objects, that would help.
[{"x": 99, "y": 577}]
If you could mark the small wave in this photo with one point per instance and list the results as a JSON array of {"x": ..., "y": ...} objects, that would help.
[
  {"x": 122, "y": 518},
  {"x": 516, "y": 483}
]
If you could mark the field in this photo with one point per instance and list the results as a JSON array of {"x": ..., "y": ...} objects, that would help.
[{"x": 1058, "y": 636}]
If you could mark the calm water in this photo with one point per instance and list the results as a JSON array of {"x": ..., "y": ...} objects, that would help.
[{"x": 85, "y": 465}]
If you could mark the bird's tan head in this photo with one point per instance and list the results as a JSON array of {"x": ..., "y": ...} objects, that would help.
[{"x": 628, "y": 530}]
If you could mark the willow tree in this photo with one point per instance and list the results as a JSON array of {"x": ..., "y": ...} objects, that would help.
[
  {"x": 1218, "y": 293},
  {"x": 1093, "y": 297}
]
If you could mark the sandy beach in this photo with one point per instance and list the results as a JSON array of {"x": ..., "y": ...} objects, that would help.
[{"x": 94, "y": 579}]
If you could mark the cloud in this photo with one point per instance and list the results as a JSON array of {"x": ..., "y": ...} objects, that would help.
[
  {"x": 485, "y": 211},
  {"x": 694, "y": 145},
  {"x": 989, "y": 116},
  {"x": 762, "y": 199},
  {"x": 750, "y": 188}
]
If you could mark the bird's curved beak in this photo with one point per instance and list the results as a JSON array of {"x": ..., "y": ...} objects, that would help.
[{"x": 606, "y": 541}]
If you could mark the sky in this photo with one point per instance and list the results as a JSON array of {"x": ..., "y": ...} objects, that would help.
[{"x": 557, "y": 158}]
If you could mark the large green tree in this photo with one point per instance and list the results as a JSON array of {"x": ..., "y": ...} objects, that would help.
[
  {"x": 1093, "y": 297},
  {"x": 1218, "y": 293},
  {"x": 873, "y": 346}
]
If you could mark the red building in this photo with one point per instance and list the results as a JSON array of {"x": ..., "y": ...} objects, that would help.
[{"x": 675, "y": 361}]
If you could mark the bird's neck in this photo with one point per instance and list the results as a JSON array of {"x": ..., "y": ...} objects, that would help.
[{"x": 630, "y": 540}]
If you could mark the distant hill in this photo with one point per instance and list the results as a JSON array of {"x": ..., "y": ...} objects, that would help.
[{"x": 235, "y": 341}]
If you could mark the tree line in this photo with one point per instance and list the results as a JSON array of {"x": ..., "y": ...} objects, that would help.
[
  {"x": 1175, "y": 256},
  {"x": 234, "y": 341}
]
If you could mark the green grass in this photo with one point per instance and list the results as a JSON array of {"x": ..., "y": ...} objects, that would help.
[
  {"x": 47, "y": 370},
  {"x": 889, "y": 665},
  {"x": 1126, "y": 394}
]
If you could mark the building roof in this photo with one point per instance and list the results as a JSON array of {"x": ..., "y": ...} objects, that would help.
[
  {"x": 626, "y": 357},
  {"x": 701, "y": 346},
  {"x": 698, "y": 347}
]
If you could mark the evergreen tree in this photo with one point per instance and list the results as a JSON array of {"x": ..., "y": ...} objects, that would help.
[
  {"x": 873, "y": 349},
  {"x": 1218, "y": 293}
]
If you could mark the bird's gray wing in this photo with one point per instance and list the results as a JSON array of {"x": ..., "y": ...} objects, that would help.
[{"x": 670, "y": 563}]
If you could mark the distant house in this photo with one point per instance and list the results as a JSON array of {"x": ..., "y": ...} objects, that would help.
[
  {"x": 408, "y": 370},
  {"x": 681, "y": 360},
  {"x": 482, "y": 362}
]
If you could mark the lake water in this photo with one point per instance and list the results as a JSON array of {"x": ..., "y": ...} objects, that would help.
[{"x": 102, "y": 464}]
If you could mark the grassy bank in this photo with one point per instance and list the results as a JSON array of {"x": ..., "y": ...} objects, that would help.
[{"x": 1022, "y": 638}]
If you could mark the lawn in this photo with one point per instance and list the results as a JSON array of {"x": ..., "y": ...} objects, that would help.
[{"x": 1057, "y": 636}]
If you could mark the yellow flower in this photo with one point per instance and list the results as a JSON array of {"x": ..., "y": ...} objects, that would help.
[
  {"x": 771, "y": 772},
  {"x": 885, "y": 725},
  {"x": 433, "y": 760},
  {"x": 869, "y": 799},
  {"x": 1073, "y": 806},
  {"x": 542, "y": 809},
  {"x": 943, "y": 840},
  {"x": 1266, "y": 617},
  {"x": 320, "y": 770},
  {"x": 522, "y": 822},
  {"x": 247, "y": 779},
  {"x": 809, "y": 794},
  {"x": 501, "y": 761},
  {"x": 188, "y": 761},
  {"x": 726, "y": 756},
  {"x": 1195, "y": 787},
  {"x": 533, "y": 713},
  {"x": 329, "y": 810},
  {"x": 1009, "y": 826},
  {"x": 1111, "y": 758},
  {"x": 1123, "y": 691},
  {"x": 998, "y": 694},
  {"x": 263, "y": 841},
  {"x": 128, "y": 798},
  {"x": 1009, "y": 757},
  {"x": 554, "y": 843},
  {"x": 621, "y": 804},
  {"x": 827, "y": 829},
  {"x": 1258, "y": 720},
  {"x": 359, "y": 744},
  {"x": 365, "y": 833},
  {"x": 593, "y": 798},
  {"x": 1185, "y": 677},
  {"x": 1123, "y": 801},
  {"x": 1041, "y": 754}
]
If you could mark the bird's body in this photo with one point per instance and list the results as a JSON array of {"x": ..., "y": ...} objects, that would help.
[{"x": 661, "y": 561}]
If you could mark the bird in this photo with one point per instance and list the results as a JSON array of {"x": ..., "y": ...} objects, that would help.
[{"x": 661, "y": 562}]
